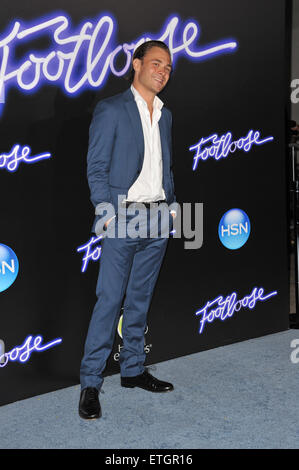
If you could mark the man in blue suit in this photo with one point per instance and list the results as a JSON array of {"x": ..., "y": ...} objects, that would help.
[{"x": 129, "y": 166}]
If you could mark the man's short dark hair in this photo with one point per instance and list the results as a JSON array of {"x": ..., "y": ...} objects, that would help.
[{"x": 141, "y": 51}]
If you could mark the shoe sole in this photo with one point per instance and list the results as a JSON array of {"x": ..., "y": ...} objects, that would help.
[
  {"x": 90, "y": 418},
  {"x": 143, "y": 388}
]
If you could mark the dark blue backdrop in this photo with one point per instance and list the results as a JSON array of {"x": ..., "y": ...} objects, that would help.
[{"x": 45, "y": 209}]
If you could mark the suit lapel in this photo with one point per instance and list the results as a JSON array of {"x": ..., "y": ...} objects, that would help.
[{"x": 133, "y": 112}]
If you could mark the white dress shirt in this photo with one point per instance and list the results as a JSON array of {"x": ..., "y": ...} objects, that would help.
[{"x": 148, "y": 186}]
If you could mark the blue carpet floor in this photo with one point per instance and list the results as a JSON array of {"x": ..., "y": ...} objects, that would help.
[{"x": 243, "y": 395}]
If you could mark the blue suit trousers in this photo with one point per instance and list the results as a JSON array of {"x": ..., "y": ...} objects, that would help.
[{"x": 129, "y": 269}]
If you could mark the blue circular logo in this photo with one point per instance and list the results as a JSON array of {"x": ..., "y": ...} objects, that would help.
[
  {"x": 234, "y": 229},
  {"x": 9, "y": 267}
]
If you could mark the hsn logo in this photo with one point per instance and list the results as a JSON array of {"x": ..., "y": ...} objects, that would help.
[
  {"x": 9, "y": 267},
  {"x": 234, "y": 229}
]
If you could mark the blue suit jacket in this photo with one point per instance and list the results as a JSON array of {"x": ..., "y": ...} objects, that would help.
[{"x": 116, "y": 151}]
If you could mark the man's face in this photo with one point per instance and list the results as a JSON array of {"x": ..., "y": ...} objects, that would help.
[{"x": 153, "y": 71}]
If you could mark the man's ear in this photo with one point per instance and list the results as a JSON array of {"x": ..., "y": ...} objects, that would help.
[{"x": 136, "y": 64}]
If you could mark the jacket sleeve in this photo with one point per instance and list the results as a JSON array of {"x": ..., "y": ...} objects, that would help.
[{"x": 101, "y": 140}]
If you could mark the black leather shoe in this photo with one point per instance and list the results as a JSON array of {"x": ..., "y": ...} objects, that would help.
[
  {"x": 89, "y": 405},
  {"x": 147, "y": 382}
]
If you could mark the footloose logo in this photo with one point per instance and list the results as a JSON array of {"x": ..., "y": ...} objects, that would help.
[
  {"x": 224, "y": 308},
  {"x": 9, "y": 267},
  {"x": 91, "y": 252},
  {"x": 234, "y": 229},
  {"x": 11, "y": 161},
  {"x": 222, "y": 146},
  {"x": 84, "y": 57},
  {"x": 22, "y": 353}
]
